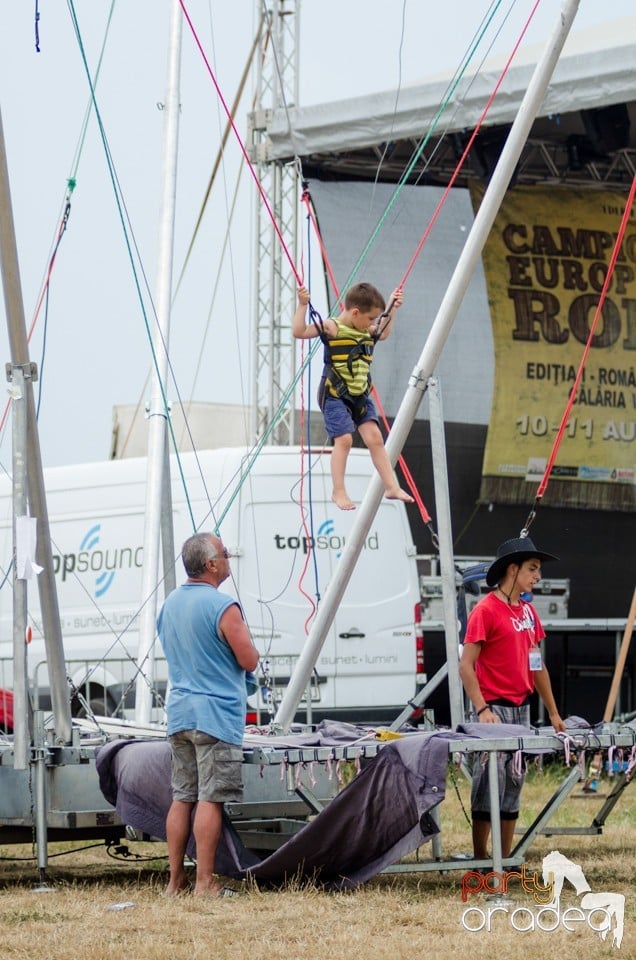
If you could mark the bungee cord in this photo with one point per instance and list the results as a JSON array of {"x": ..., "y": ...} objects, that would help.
[
  {"x": 467, "y": 149},
  {"x": 131, "y": 245},
  {"x": 309, "y": 529},
  {"x": 231, "y": 124},
  {"x": 43, "y": 297},
  {"x": 289, "y": 393},
  {"x": 217, "y": 162},
  {"x": 240, "y": 142},
  {"x": 307, "y": 200},
  {"x": 398, "y": 90},
  {"x": 452, "y": 87},
  {"x": 426, "y": 518},
  {"x": 65, "y": 213},
  {"x": 281, "y": 239},
  {"x": 125, "y": 225},
  {"x": 410, "y": 267},
  {"x": 543, "y": 483}
]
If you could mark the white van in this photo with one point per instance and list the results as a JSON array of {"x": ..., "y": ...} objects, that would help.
[{"x": 286, "y": 535}]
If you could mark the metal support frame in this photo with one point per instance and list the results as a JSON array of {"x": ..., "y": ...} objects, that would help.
[
  {"x": 18, "y": 342},
  {"x": 40, "y": 753},
  {"x": 429, "y": 687},
  {"x": 450, "y": 669},
  {"x": 275, "y": 284},
  {"x": 447, "y": 564},
  {"x": 539, "y": 826},
  {"x": 610, "y": 802},
  {"x": 281, "y": 753},
  {"x": 22, "y": 713}
]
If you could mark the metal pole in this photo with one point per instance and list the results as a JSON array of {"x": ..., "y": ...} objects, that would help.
[
  {"x": 447, "y": 564},
  {"x": 157, "y": 407},
  {"x": 41, "y": 793},
  {"x": 167, "y": 526},
  {"x": 430, "y": 354},
  {"x": 613, "y": 705},
  {"x": 60, "y": 701},
  {"x": 429, "y": 687},
  {"x": 21, "y": 732}
]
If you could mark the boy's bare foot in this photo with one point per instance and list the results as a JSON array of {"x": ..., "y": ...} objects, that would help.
[
  {"x": 343, "y": 501},
  {"x": 396, "y": 493}
]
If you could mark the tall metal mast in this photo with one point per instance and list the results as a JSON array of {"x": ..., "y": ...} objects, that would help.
[
  {"x": 275, "y": 285},
  {"x": 158, "y": 496}
]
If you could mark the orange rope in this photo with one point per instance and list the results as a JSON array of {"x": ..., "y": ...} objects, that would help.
[{"x": 45, "y": 287}]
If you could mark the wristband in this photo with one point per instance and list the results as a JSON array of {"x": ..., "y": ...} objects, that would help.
[{"x": 486, "y": 707}]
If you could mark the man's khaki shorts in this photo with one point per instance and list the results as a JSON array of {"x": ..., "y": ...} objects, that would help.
[{"x": 204, "y": 768}]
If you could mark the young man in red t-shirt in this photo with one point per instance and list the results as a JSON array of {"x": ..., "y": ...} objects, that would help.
[{"x": 500, "y": 667}]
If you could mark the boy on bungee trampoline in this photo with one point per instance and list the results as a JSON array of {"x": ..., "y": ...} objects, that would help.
[{"x": 345, "y": 388}]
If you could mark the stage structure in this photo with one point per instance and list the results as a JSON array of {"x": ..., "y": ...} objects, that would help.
[{"x": 275, "y": 285}]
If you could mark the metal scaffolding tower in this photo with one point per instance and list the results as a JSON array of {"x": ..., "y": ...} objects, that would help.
[{"x": 275, "y": 284}]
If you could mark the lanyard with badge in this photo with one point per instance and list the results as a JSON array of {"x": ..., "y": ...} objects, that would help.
[{"x": 534, "y": 658}]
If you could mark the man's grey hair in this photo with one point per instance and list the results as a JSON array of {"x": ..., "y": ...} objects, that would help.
[{"x": 196, "y": 552}]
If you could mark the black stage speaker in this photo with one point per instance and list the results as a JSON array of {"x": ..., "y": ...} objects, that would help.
[{"x": 607, "y": 128}]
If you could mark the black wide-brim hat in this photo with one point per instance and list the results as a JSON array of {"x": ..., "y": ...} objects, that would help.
[{"x": 513, "y": 551}]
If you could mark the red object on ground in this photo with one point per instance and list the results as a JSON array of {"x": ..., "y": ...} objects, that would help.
[{"x": 6, "y": 710}]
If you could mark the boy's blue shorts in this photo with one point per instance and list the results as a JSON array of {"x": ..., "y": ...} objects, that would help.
[{"x": 338, "y": 417}]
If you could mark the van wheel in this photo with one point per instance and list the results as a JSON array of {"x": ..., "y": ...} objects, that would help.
[
  {"x": 101, "y": 708},
  {"x": 97, "y": 706}
]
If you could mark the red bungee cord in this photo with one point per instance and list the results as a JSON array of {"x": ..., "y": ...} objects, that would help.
[{"x": 579, "y": 375}]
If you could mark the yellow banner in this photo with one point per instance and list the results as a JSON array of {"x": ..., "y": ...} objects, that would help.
[{"x": 546, "y": 262}]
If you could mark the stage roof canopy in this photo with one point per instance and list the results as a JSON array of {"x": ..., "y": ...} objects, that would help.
[{"x": 585, "y": 133}]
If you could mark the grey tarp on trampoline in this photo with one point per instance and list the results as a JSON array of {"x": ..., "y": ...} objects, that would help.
[{"x": 381, "y": 816}]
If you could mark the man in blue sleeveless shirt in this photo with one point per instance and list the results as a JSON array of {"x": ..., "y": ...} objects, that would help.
[{"x": 208, "y": 649}]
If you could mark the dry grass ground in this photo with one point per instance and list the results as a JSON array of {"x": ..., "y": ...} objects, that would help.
[{"x": 391, "y": 917}]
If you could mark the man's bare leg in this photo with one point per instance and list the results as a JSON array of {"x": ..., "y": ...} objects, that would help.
[
  {"x": 207, "y": 833},
  {"x": 177, "y": 834}
]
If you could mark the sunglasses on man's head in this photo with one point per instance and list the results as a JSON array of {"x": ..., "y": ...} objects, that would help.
[{"x": 225, "y": 553}]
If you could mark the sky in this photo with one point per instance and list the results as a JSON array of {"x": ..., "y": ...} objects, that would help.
[{"x": 91, "y": 335}]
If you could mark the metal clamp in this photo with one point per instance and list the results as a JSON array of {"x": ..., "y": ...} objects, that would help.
[{"x": 29, "y": 370}]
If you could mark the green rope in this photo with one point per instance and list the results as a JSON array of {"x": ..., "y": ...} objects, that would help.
[
  {"x": 457, "y": 77},
  {"x": 122, "y": 218},
  {"x": 256, "y": 449},
  {"x": 254, "y": 453},
  {"x": 84, "y": 129}
]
